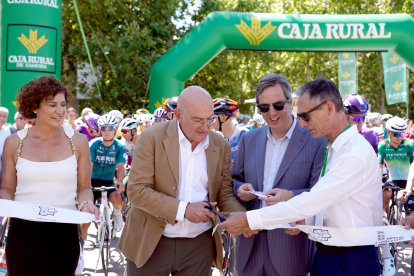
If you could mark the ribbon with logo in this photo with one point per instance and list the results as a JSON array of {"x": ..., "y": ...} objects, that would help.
[{"x": 356, "y": 236}]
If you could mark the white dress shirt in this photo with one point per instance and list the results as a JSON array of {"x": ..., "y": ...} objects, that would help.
[
  {"x": 349, "y": 195},
  {"x": 192, "y": 187},
  {"x": 275, "y": 151}
]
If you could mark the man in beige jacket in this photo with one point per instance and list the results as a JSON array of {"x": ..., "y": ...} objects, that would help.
[{"x": 176, "y": 166}]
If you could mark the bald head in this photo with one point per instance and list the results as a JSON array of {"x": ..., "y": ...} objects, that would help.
[{"x": 194, "y": 97}]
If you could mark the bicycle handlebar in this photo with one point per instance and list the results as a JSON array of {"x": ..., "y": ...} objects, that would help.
[{"x": 103, "y": 188}]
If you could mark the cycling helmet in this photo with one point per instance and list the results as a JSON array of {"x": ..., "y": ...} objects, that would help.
[
  {"x": 128, "y": 124},
  {"x": 379, "y": 131},
  {"x": 145, "y": 118},
  {"x": 171, "y": 104},
  {"x": 355, "y": 103},
  {"x": 92, "y": 120},
  {"x": 142, "y": 111},
  {"x": 396, "y": 124},
  {"x": 107, "y": 120},
  {"x": 258, "y": 119},
  {"x": 391, "y": 185},
  {"x": 160, "y": 112},
  {"x": 386, "y": 117},
  {"x": 116, "y": 114},
  {"x": 225, "y": 106}
]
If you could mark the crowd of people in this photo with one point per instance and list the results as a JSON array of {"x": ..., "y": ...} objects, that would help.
[{"x": 325, "y": 166}]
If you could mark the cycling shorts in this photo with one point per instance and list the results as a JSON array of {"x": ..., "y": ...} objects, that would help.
[{"x": 99, "y": 183}]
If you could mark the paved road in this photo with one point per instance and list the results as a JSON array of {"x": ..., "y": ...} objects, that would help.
[{"x": 117, "y": 261}]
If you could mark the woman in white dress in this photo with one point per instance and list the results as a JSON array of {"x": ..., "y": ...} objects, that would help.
[{"x": 46, "y": 164}]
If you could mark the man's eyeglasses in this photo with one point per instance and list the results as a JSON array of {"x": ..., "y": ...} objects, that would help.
[
  {"x": 278, "y": 106},
  {"x": 107, "y": 128},
  {"x": 199, "y": 123},
  {"x": 399, "y": 134},
  {"x": 21, "y": 118},
  {"x": 304, "y": 116},
  {"x": 357, "y": 119}
]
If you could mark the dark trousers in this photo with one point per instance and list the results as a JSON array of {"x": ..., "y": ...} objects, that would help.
[
  {"x": 363, "y": 261},
  {"x": 178, "y": 256}
]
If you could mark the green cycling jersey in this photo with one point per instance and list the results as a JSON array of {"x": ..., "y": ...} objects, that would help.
[{"x": 398, "y": 160}]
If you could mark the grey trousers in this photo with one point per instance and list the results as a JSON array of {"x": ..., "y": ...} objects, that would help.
[{"x": 178, "y": 256}]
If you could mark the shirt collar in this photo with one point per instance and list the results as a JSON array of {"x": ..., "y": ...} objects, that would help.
[
  {"x": 288, "y": 134},
  {"x": 344, "y": 137},
  {"x": 204, "y": 144}
]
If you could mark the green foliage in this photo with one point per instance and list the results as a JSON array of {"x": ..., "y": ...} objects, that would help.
[
  {"x": 235, "y": 73},
  {"x": 125, "y": 38}
]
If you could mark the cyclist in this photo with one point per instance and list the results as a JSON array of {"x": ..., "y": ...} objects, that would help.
[
  {"x": 145, "y": 120},
  {"x": 91, "y": 128},
  {"x": 356, "y": 108},
  {"x": 244, "y": 121},
  {"x": 170, "y": 106},
  {"x": 119, "y": 116},
  {"x": 107, "y": 155},
  {"x": 225, "y": 109},
  {"x": 129, "y": 137},
  {"x": 258, "y": 121},
  {"x": 384, "y": 119},
  {"x": 142, "y": 111},
  {"x": 160, "y": 115}
]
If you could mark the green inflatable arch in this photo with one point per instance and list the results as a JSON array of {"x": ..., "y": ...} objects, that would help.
[{"x": 277, "y": 32}]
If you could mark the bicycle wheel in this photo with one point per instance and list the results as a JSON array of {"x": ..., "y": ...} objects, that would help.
[
  {"x": 393, "y": 214},
  {"x": 105, "y": 249},
  {"x": 228, "y": 258},
  {"x": 3, "y": 232}
]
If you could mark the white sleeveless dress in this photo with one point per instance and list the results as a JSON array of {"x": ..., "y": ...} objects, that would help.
[{"x": 47, "y": 183}]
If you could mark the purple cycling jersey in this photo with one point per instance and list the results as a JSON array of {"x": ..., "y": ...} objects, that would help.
[
  {"x": 371, "y": 136},
  {"x": 83, "y": 128}
]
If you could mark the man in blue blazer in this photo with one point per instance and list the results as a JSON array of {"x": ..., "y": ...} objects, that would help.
[{"x": 281, "y": 160}]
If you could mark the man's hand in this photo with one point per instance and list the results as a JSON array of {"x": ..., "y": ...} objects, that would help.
[
  {"x": 408, "y": 222},
  {"x": 249, "y": 232},
  {"x": 280, "y": 196},
  {"x": 243, "y": 192},
  {"x": 120, "y": 187},
  {"x": 196, "y": 213},
  {"x": 403, "y": 195},
  {"x": 235, "y": 224},
  {"x": 295, "y": 231}
]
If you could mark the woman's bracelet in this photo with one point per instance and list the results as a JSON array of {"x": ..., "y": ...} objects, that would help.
[{"x": 83, "y": 203}]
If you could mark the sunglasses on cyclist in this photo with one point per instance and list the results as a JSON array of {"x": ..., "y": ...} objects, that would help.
[
  {"x": 106, "y": 128},
  {"x": 278, "y": 106},
  {"x": 160, "y": 120},
  {"x": 398, "y": 134},
  {"x": 94, "y": 130},
  {"x": 357, "y": 119},
  {"x": 304, "y": 116},
  {"x": 125, "y": 131}
]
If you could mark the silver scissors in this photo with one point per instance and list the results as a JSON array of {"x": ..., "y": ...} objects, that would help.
[{"x": 223, "y": 215}]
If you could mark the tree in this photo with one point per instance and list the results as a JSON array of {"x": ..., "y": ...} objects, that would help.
[{"x": 125, "y": 38}]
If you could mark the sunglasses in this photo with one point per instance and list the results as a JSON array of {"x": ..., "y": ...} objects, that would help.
[
  {"x": 357, "y": 119},
  {"x": 160, "y": 120},
  {"x": 398, "y": 134},
  {"x": 304, "y": 116},
  {"x": 106, "y": 128},
  {"x": 278, "y": 106},
  {"x": 125, "y": 131},
  {"x": 94, "y": 130},
  {"x": 21, "y": 118}
]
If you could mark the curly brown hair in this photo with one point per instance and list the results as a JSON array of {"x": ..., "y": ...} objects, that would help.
[{"x": 34, "y": 92}]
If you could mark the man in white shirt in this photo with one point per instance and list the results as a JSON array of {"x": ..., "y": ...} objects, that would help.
[
  {"x": 177, "y": 166},
  {"x": 4, "y": 131},
  {"x": 348, "y": 194}
]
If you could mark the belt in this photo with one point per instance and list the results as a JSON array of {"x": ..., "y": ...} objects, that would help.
[{"x": 339, "y": 250}]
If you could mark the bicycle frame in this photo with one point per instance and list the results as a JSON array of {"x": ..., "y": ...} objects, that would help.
[{"x": 107, "y": 214}]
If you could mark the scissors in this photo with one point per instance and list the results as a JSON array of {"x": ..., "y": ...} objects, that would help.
[{"x": 223, "y": 215}]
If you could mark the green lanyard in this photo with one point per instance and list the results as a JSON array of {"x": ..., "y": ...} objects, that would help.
[{"x": 326, "y": 154}]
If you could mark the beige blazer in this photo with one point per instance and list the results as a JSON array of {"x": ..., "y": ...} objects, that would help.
[{"x": 152, "y": 189}]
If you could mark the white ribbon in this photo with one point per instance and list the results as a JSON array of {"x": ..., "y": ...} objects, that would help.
[
  {"x": 38, "y": 212},
  {"x": 356, "y": 236}
]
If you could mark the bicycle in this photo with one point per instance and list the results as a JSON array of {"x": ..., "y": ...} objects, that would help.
[
  {"x": 108, "y": 232},
  {"x": 4, "y": 229},
  {"x": 394, "y": 216}
]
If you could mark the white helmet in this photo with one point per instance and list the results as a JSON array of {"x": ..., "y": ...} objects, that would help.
[
  {"x": 258, "y": 119},
  {"x": 379, "y": 131},
  {"x": 386, "y": 116},
  {"x": 107, "y": 120},
  {"x": 144, "y": 118},
  {"x": 396, "y": 124},
  {"x": 116, "y": 114},
  {"x": 128, "y": 124}
]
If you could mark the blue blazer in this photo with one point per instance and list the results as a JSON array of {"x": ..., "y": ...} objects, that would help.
[{"x": 299, "y": 171}]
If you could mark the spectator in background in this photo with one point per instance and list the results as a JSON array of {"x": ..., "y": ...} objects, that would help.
[
  {"x": 81, "y": 119},
  {"x": 71, "y": 115},
  {"x": 4, "y": 131},
  {"x": 19, "y": 123}
]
